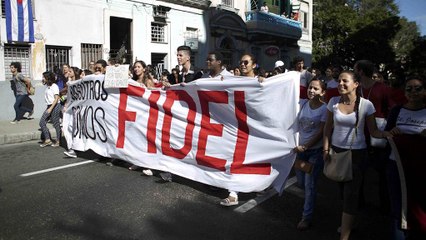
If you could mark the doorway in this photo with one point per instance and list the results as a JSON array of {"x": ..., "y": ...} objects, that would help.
[{"x": 120, "y": 37}]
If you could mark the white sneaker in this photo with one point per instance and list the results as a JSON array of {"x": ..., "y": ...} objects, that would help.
[
  {"x": 70, "y": 153},
  {"x": 147, "y": 172}
]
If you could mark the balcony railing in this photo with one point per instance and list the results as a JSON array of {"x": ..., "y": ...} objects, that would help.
[
  {"x": 202, "y": 4},
  {"x": 271, "y": 23}
]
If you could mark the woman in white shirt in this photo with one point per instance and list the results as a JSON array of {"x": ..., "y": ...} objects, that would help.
[
  {"x": 311, "y": 120},
  {"x": 53, "y": 110},
  {"x": 408, "y": 125},
  {"x": 344, "y": 130}
]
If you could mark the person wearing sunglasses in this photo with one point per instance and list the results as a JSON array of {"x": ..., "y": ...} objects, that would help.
[
  {"x": 248, "y": 66},
  {"x": 215, "y": 66},
  {"x": 407, "y": 123}
]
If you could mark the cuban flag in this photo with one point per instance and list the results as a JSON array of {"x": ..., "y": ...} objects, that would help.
[{"x": 19, "y": 21}]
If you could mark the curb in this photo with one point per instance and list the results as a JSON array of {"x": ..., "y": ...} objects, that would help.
[{"x": 19, "y": 137}]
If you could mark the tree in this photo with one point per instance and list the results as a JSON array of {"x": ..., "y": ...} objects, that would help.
[
  {"x": 404, "y": 41},
  {"x": 417, "y": 57},
  {"x": 349, "y": 30}
]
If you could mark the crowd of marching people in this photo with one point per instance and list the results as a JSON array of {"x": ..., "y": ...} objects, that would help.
[{"x": 345, "y": 110}]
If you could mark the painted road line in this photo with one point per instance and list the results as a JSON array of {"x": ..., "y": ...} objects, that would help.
[
  {"x": 260, "y": 199},
  {"x": 55, "y": 168}
]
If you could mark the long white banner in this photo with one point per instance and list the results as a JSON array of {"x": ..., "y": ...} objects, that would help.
[{"x": 236, "y": 134}]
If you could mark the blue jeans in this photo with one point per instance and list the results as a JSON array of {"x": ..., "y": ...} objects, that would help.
[
  {"x": 20, "y": 110},
  {"x": 309, "y": 181}
]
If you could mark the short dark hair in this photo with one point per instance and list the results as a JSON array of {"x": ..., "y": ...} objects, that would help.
[
  {"x": 298, "y": 59},
  {"x": 366, "y": 66},
  {"x": 16, "y": 65},
  {"x": 185, "y": 48},
  {"x": 218, "y": 55},
  {"x": 102, "y": 62}
]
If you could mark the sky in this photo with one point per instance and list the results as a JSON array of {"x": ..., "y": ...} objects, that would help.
[{"x": 414, "y": 10}]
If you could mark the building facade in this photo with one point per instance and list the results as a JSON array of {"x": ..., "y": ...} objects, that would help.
[{"x": 79, "y": 31}]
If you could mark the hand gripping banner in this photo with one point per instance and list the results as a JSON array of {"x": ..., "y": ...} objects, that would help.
[{"x": 235, "y": 134}]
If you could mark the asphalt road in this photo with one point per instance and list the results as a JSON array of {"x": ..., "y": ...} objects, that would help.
[{"x": 96, "y": 201}]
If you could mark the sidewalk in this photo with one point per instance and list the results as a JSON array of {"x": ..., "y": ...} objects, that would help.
[{"x": 26, "y": 130}]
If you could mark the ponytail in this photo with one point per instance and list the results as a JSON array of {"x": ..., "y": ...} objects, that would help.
[{"x": 356, "y": 110}]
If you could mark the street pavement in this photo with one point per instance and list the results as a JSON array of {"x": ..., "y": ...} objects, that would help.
[
  {"x": 44, "y": 195},
  {"x": 25, "y": 130}
]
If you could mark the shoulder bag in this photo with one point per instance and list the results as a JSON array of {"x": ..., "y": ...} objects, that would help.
[{"x": 339, "y": 165}]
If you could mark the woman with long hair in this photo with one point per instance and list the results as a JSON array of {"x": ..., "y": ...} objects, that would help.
[
  {"x": 248, "y": 66},
  {"x": 53, "y": 110},
  {"x": 140, "y": 75},
  {"x": 311, "y": 120},
  {"x": 344, "y": 130}
]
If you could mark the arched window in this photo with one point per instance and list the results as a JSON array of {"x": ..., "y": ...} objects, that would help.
[{"x": 227, "y": 48}]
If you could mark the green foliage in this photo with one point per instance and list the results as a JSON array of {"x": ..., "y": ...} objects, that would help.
[
  {"x": 417, "y": 60},
  {"x": 349, "y": 30}
]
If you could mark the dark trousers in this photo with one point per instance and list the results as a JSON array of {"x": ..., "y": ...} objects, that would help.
[{"x": 20, "y": 108}]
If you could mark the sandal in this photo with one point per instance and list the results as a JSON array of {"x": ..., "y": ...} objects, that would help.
[
  {"x": 46, "y": 143},
  {"x": 229, "y": 201}
]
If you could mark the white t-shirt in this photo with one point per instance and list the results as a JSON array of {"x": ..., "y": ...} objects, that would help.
[
  {"x": 344, "y": 124},
  {"x": 50, "y": 92},
  {"x": 223, "y": 73},
  {"x": 410, "y": 122},
  {"x": 309, "y": 122}
]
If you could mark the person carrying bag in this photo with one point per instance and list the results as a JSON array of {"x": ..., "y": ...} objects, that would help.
[
  {"x": 339, "y": 165},
  {"x": 347, "y": 113},
  {"x": 309, "y": 162}
]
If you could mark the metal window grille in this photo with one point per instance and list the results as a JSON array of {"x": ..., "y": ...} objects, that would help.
[
  {"x": 160, "y": 11},
  {"x": 254, "y": 4},
  {"x": 14, "y": 53},
  {"x": 158, "y": 32},
  {"x": 229, "y": 3},
  {"x": 56, "y": 56},
  {"x": 90, "y": 52},
  {"x": 191, "y": 33}
]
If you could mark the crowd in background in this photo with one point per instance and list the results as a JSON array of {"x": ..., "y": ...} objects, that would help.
[{"x": 333, "y": 106}]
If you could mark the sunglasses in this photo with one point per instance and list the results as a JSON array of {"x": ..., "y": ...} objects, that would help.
[
  {"x": 245, "y": 62},
  {"x": 414, "y": 88}
]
